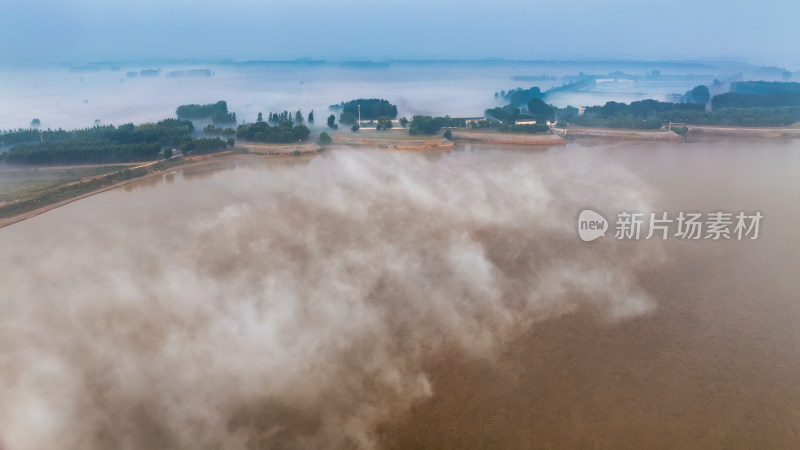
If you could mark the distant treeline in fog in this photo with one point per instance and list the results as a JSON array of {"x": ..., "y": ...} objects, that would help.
[
  {"x": 749, "y": 103},
  {"x": 650, "y": 114},
  {"x": 734, "y": 100},
  {"x": 370, "y": 109},
  {"x": 519, "y": 96},
  {"x": 189, "y": 73},
  {"x": 217, "y": 112}
]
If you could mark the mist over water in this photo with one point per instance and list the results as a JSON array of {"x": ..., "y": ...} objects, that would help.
[
  {"x": 292, "y": 304},
  {"x": 60, "y": 98}
]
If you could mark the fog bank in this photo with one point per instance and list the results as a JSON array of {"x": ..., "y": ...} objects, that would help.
[{"x": 291, "y": 305}]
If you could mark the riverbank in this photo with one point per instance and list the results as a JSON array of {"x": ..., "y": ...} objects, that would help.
[
  {"x": 508, "y": 138},
  {"x": 67, "y": 193},
  {"x": 628, "y": 135},
  {"x": 394, "y": 144},
  {"x": 759, "y": 132},
  {"x": 279, "y": 149}
]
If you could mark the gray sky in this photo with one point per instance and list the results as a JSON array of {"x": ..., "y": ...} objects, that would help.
[{"x": 763, "y": 32}]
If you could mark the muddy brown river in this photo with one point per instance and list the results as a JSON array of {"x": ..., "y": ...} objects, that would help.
[{"x": 369, "y": 298}]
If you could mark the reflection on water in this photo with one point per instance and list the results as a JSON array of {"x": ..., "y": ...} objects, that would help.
[{"x": 372, "y": 298}]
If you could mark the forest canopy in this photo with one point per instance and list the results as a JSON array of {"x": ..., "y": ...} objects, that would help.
[
  {"x": 217, "y": 112},
  {"x": 371, "y": 108},
  {"x": 283, "y": 132},
  {"x": 101, "y": 144}
]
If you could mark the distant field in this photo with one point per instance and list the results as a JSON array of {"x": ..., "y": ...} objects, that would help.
[{"x": 25, "y": 182}]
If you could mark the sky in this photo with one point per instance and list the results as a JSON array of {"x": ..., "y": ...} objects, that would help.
[{"x": 79, "y": 31}]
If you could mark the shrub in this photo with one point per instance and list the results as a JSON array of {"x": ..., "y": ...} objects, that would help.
[{"x": 324, "y": 139}]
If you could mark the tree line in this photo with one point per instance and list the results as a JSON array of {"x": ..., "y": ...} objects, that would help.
[
  {"x": 218, "y": 131},
  {"x": 217, "y": 112},
  {"x": 101, "y": 144},
  {"x": 371, "y": 109},
  {"x": 770, "y": 100},
  {"x": 651, "y": 115},
  {"x": 286, "y": 116},
  {"x": 765, "y": 87},
  {"x": 205, "y": 145},
  {"x": 20, "y": 136},
  {"x": 284, "y": 132},
  {"x": 76, "y": 152},
  {"x": 429, "y": 125}
]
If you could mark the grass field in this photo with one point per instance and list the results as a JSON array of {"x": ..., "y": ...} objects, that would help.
[
  {"x": 25, "y": 182},
  {"x": 28, "y": 189}
]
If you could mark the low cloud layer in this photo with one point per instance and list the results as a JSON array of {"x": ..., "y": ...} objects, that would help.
[{"x": 291, "y": 305}]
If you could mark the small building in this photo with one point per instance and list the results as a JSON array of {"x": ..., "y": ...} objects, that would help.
[{"x": 525, "y": 121}]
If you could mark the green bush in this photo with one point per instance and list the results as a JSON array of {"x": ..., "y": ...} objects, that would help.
[{"x": 324, "y": 139}]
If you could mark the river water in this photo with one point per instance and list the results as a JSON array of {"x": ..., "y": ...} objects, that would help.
[{"x": 396, "y": 299}]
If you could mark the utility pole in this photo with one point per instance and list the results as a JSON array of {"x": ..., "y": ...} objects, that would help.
[{"x": 359, "y": 114}]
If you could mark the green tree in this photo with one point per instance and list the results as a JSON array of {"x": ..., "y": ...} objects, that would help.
[
  {"x": 331, "y": 122},
  {"x": 700, "y": 94},
  {"x": 35, "y": 123},
  {"x": 167, "y": 153},
  {"x": 298, "y": 117},
  {"x": 448, "y": 135},
  {"x": 203, "y": 111},
  {"x": 311, "y": 117},
  {"x": 425, "y": 124},
  {"x": 347, "y": 118},
  {"x": 355, "y": 128},
  {"x": 260, "y": 118},
  {"x": 371, "y": 108},
  {"x": 231, "y": 142},
  {"x": 541, "y": 110},
  {"x": 384, "y": 123},
  {"x": 324, "y": 139},
  {"x": 507, "y": 114},
  {"x": 403, "y": 122}
]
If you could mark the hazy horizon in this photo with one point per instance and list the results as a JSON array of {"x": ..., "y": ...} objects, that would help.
[{"x": 89, "y": 30}]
